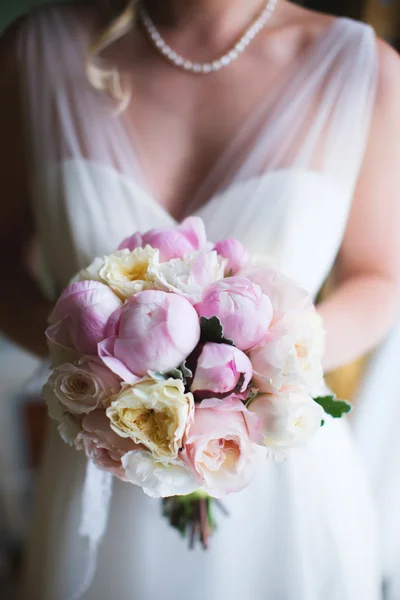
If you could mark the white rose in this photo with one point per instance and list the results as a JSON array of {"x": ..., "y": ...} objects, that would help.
[
  {"x": 288, "y": 421},
  {"x": 82, "y": 386},
  {"x": 124, "y": 271},
  {"x": 291, "y": 355},
  {"x": 189, "y": 276},
  {"x": 68, "y": 426},
  {"x": 158, "y": 479},
  {"x": 154, "y": 414}
]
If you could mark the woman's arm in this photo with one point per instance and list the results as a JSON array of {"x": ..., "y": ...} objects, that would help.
[
  {"x": 366, "y": 302},
  {"x": 23, "y": 310}
]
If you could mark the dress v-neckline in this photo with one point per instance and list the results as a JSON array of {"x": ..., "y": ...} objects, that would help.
[
  {"x": 200, "y": 198},
  {"x": 139, "y": 192}
]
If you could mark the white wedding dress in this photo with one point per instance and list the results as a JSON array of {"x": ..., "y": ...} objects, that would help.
[{"x": 306, "y": 528}]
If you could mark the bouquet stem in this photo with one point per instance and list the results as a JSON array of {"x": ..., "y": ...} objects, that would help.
[{"x": 192, "y": 516}]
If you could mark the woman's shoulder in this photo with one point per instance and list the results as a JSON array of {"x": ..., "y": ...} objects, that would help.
[
  {"x": 47, "y": 36},
  {"x": 297, "y": 30},
  {"x": 349, "y": 32},
  {"x": 312, "y": 23},
  {"x": 362, "y": 49},
  {"x": 51, "y": 23}
]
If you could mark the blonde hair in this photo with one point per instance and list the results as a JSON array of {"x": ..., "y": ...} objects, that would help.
[{"x": 109, "y": 79}]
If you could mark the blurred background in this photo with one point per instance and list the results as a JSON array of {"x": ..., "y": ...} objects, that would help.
[{"x": 23, "y": 416}]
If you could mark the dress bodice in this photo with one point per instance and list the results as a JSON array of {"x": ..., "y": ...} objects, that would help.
[{"x": 296, "y": 217}]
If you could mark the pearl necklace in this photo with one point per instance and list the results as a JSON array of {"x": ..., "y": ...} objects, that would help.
[{"x": 209, "y": 67}]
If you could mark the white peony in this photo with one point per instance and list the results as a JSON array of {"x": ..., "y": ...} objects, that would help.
[
  {"x": 124, "y": 271},
  {"x": 154, "y": 414},
  {"x": 288, "y": 421},
  {"x": 188, "y": 276},
  {"x": 291, "y": 355},
  {"x": 284, "y": 293},
  {"x": 157, "y": 478},
  {"x": 90, "y": 273}
]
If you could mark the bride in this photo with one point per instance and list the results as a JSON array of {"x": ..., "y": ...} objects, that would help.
[{"x": 289, "y": 142}]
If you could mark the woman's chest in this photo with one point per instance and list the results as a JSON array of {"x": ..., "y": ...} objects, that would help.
[{"x": 183, "y": 126}]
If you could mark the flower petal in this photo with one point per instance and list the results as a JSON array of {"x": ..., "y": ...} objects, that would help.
[
  {"x": 158, "y": 479},
  {"x": 106, "y": 353}
]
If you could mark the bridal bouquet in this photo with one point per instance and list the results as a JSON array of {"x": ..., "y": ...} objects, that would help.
[{"x": 174, "y": 359}]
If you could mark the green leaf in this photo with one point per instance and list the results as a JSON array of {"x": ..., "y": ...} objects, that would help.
[
  {"x": 176, "y": 374},
  {"x": 253, "y": 393},
  {"x": 186, "y": 372},
  {"x": 332, "y": 406},
  {"x": 157, "y": 376},
  {"x": 183, "y": 373},
  {"x": 212, "y": 331}
]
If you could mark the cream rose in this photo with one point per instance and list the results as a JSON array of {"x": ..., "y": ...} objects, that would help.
[
  {"x": 69, "y": 426},
  {"x": 158, "y": 479},
  {"x": 82, "y": 386},
  {"x": 154, "y": 414},
  {"x": 125, "y": 272}
]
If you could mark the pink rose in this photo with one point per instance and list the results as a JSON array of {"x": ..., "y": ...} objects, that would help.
[
  {"x": 79, "y": 319},
  {"x": 244, "y": 311},
  {"x": 153, "y": 331},
  {"x": 175, "y": 242},
  {"x": 235, "y": 253},
  {"x": 102, "y": 446},
  {"x": 219, "y": 447},
  {"x": 221, "y": 370}
]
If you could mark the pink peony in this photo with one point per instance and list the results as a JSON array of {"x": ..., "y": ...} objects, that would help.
[
  {"x": 153, "y": 331},
  {"x": 219, "y": 446},
  {"x": 187, "y": 237},
  {"x": 79, "y": 319},
  {"x": 133, "y": 242},
  {"x": 244, "y": 311},
  {"x": 221, "y": 370},
  {"x": 235, "y": 253},
  {"x": 101, "y": 445}
]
